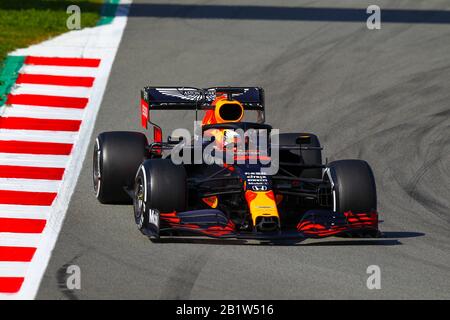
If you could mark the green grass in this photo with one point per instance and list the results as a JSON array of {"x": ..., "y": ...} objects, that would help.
[{"x": 26, "y": 22}]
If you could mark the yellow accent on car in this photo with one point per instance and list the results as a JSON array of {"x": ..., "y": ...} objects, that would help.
[
  {"x": 228, "y": 111},
  {"x": 261, "y": 203},
  {"x": 212, "y": 201}
]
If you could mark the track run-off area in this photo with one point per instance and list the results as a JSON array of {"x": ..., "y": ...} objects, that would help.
[{"x": 45, "y": 125}]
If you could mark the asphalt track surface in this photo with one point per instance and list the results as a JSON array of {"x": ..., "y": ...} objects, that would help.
[{"x": 380, "y": 95}]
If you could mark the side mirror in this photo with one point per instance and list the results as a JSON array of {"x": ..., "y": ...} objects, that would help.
[{"x": 303, "y": 140}]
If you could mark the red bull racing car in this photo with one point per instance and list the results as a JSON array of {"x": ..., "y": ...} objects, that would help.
[{"x": 234, "y": 178}]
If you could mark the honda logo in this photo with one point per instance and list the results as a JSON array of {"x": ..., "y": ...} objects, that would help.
[{"x": 259, "y": 188}]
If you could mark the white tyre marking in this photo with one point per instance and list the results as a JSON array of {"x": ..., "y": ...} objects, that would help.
[{"x": 99, "y": 153}]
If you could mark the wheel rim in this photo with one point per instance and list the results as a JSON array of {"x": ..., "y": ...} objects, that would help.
[
  {"x": 139, "y": 201},
  {"x": 96, "y": 169}
]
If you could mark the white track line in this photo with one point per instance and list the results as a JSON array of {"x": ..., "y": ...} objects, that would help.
[
  {"x": 20, "y": 239},
  {"x": 13, "y": 269},
  {"x": 49, "y": 90},
  {"x": 60, "y": 70},
  {"x": 38, "y": 135},
  {"x": 32, "y": 185},
  {"x": 24, "y": 212},
  {"x": 34, "y": 160},
  {"x": 100, "y": 42},
  {"x": 43, "y": 112}
]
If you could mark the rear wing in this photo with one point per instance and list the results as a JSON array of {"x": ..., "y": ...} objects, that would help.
[{"x": 189, "y": 98}]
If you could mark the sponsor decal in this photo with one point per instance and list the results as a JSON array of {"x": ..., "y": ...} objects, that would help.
[
  {"x": 259, "y": 188},
  {"x": 153, "y": 217}
]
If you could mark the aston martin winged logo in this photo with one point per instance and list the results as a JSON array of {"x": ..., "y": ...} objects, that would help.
[{"x": 190, "y": 94}]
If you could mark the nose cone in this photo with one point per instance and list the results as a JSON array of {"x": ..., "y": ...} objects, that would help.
[{"x": 263, "y": 208}]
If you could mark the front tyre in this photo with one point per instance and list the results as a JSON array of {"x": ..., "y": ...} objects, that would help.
[
  {"x": 160, "y": 187},
  {"x": 147, "y": 220},
  {"x": 353, "y": 186}
]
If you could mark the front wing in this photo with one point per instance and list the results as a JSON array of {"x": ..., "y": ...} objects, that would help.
[{"x": 314, "y": 224}]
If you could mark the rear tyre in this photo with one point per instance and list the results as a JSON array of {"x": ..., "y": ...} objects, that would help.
[
  {"x": 307, "y": 157},
  {"x": 160, "y": 187},
  {"x": 354, "y": 186},
  {"x": 117, "y": 156}
]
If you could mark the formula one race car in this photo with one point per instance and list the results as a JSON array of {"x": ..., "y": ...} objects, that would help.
[{"x": 234, "y": 178}]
